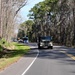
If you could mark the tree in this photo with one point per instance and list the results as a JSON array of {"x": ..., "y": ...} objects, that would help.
[
  {"x": 43, "y": 14},
  {"x": 26, "y": 29},
  {"x": 55, "y": 18},
  {"x": 8, "y": 11}
]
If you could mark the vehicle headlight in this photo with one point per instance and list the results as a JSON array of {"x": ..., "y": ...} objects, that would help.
[
  {"x": 51, "y": 43},
  {"x": 41, "y": 43}
]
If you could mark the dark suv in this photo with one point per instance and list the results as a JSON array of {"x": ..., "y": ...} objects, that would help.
[{"x": 45, "y": 42}]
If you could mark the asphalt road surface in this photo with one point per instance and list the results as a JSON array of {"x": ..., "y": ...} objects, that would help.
[{"x": 57, "y": 61}]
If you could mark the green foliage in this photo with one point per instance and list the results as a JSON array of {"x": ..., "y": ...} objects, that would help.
[
  {"x": 29, "y": 22},
  {"x": 21, "y": 34},
  {"x": 4, "y": 44},
  {"x": 11, "y": 56},
  {"x": 20, "y": 49},
  {"x": 0, "y": 48},
  {"x": 41, "y": 13},
  {"x": 2, "y": 41},
  {"x": 25, "y": 29},
  {"x": 40, "y": 9}
]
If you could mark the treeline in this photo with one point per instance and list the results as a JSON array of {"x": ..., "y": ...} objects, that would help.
[
  {"x": 8, "y": 12},
  {"x": 25, "y": 30},
  {"x": 55, "y": 18}
]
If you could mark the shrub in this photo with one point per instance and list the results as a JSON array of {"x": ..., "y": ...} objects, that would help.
[{"x": 2, "y": 43}]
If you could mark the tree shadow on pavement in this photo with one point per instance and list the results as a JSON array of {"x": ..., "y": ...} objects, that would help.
[{"x": 52, "y": 54}]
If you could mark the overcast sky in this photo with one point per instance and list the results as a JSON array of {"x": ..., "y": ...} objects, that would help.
[{"x": 25, "y": 10}]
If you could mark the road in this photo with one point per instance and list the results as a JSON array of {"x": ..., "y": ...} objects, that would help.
[{"x": 57, "y": 61}]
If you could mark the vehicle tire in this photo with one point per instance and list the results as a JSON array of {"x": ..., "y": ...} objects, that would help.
[
  {"x": 39, "y": 47},
  {"x": 51, "y": 47}
]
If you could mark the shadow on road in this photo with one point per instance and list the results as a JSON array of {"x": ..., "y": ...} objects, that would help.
[{"x": 54, "y": 53}]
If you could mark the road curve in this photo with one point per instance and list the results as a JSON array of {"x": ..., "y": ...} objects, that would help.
[
  {"x": 19, "y": 67},
  {"x": 49, "y": 62},
  {"x": 53, "y": 62}
]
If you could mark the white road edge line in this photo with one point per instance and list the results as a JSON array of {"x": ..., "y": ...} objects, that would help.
[{"x": 30, "y": 64}]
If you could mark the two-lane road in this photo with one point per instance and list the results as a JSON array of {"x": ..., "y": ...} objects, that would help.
[
  {"x": 53, "y": 62},
  {"x": 44, "y": 62}
]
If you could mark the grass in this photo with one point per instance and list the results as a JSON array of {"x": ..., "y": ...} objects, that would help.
[{"x": 11, "y": 56}]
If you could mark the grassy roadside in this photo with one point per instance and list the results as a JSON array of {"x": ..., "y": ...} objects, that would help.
[{"x": 11, "y": 56}]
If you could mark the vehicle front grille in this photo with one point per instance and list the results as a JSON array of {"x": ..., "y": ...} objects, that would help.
[{"x": 46, "y": 42}]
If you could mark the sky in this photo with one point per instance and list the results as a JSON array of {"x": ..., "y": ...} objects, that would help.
[{"x": 25, "y": 10}]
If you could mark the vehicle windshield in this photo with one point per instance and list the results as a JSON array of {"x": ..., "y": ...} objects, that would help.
[
  {"x": 25, "y": 38},
  {"x": 46, "y": 38}
]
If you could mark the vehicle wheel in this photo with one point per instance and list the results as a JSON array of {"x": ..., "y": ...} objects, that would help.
[
  {"x": 51, "y": 47},
  {"x": 39, "y": 47}
]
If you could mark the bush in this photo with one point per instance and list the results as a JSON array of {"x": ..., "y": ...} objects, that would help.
[
  {"x": 3, "y": 43},
  {"x": 1, "y": 48}
]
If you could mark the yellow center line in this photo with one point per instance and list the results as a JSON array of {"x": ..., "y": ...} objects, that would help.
[{"x": 70, "y": 55}]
